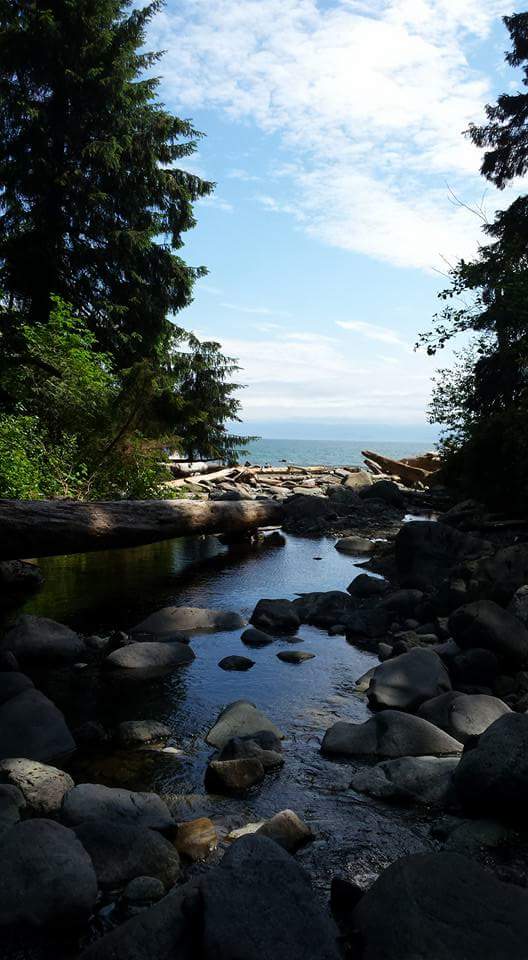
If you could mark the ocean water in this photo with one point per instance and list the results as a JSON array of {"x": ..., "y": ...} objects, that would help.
[{"x": 329, "y": 452}]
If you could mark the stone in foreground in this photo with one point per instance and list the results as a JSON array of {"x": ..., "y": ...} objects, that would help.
[
  {"x": 93, "y": 801},
  {"x": 31, "y": 726},
  {"x": 240, "y": 719},
  {"x": 492, "y": 778},
  {"x": 43, "y": 641},
  {"x": 441, "y": 906},
  {"x": 43, "y": 787},
  {"x": 12, "y": 805},
  {"x": 423, "y": 780},
  {"x": 389, "y": 734},
  {"x": 120, "y": 852},
  {"x": 463, "y": 715},
  {"x": 256, "y": 638}
]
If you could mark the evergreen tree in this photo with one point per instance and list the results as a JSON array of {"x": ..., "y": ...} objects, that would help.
[{"x": 89, "y": 181}]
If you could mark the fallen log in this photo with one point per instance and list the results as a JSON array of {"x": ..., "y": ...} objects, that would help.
[
  {"x": 396, "y": 468},
  {"x": 44, "y": 528}
]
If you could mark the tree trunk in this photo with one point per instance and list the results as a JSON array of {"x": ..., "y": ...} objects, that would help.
[{"x": 43, "y": 528}]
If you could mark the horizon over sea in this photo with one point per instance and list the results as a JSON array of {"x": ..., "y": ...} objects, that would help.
[{"x": 336, "y": 453}]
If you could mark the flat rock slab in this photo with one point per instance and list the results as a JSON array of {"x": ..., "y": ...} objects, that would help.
[
  {"x": 389, "y": 734},
  {"x": 423, "y": 780},
  {"x": 240, "y": 719},
  {"x": 43, "y": 787},
  {"x": 463, "y": 715},
  {"x": 121, "y": 851},
  {"x": 404, "y": 682},
  {"x": 236, "y": 663},
  {"x": 445, "y": 906},
  {"x": 295, "y": 656},
  {"x": 40, "y": 640},
  {"x": 46, "y": 876},
  {"x": 93, "y": 801},
  {"x": 167, "y": 623},
  {"x": 31, "y": 726},
  {"x": 150, "y": 656}
]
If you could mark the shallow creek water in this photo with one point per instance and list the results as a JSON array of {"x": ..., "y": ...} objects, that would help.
[{"x": 101, "y": 592}]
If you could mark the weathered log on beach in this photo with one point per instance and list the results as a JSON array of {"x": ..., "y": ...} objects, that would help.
[
  {"x": 397, "y": 468},
  {"x": 43, "y": 528}
]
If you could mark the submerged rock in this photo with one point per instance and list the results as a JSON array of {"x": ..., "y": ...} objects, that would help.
[
  {"x": 256, "y": 638},
  {"x": 240, "y": 719},
  {"x": 404, "y": 682},
  {"x": 43, "y": 787},
  {"x": 132, "y": 732},
  {"x": 295, "y": 656},
  {"x": 171, "y": 623},
  {"x": 236, "y": 663},
  {"x": 150, "y": 656},
  {"x": 234, "y": 776},
  {"x": 388, "y": 734}
]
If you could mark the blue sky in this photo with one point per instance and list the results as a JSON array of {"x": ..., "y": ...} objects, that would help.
[{"x": 334, "y": 136}]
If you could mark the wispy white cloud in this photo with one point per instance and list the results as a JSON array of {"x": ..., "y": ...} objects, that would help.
[
  {"x": 372, "y": 331},
  {"x": 216, "y": 202},
  {"x": 237, "y": 173},
  {"x": 368, "y": 98}
]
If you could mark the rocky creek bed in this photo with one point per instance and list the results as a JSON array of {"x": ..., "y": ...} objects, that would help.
[{"x": 139, "y": 817}]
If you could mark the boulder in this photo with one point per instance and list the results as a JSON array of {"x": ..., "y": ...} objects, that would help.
[
  {"x": 485, "y": 625},
  {"x": 142, "y": 892},
  {"x": 11, "y": 683},
  {"x": 121, "y": 851},
  {"x": 295, "y": 656},
  {"x": 504, "y": 572},
  {"x": 150, "y": 655},
  {"x": 476, "y": 666},
  {"x": 42, "y": 641},
  {"x": 255, "y": 638},
  {"x": 31, "y": 726},
  {"x": 196, "y": 839},
  {"x": 364, "y": 586},
  {"x": 286, "y": 829},
  {"x": 133, "y": 732},
  {"x": 424, "y": 780},
  {"x": 93, "y": 801},
  {"x": 425, "y": 551},
  {"x": 363, "y": 682},
  {"x": 43, "y": 787},
  {"x": 441, "y": 905},
  {"x": 324, "y": 609},
  {"x": 389, "y": 734},
  {"x": 305, "y": 513},
  {"x": 263, "y": 747},
  {"x": 12, "y": 804},
  {"x": 240, "y": 719},
  {"x": 171, "y": 622},
  {"x": 404, "y": 682},
  {"x": 463, "y": 715},
  {"x": 492, "y": 778},
  {"x": 358, "y": 480},
  {"x": 355, "y": 546},
  {"x": 276, "y": 616},
  {"x": 370, "y": 623},
  {"x": 46, "y": 877},
  {"x": 236, "y": 663},
  {"x": 385, "y": 490},
  {"x": 518, "y": 605},
  {"x": 403, "y": 603},
  {"x": 259, "y": 905},
  {"x": 234, "y": 776}
]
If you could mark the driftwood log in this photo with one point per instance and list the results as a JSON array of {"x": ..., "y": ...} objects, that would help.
[
  {"x": 44, "y": 528},
  {"x": 397, "y": 468}
]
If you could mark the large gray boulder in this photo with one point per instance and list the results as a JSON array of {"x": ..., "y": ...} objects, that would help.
[
  {"x": 423, "y": 780},
  {"x": 93, "y": 801},
  {"x": 121, "y": 851},
  {"x": 31, "y": 726},
  {"x": 463, "y": 715},
  {"x": 46, "y": 876},
  {"x": 492, "y": 778},
  {"x": 12, "y": 805},
  {"x": 240, "y": 719},
  {"x": 276, "y": 616},
  {"x": 485, "y": 625},
  {"x": 171, "y": 623},
  {"x": 441, "y": 906},
  {"x": 365, "y": 587},
  {"x": 385, "y": 490},
  {"x": 259, "y": 905},
  {"x": 150, "y": 656},
  {"x": 324, "y": 609},
  {"x": 43, "y": 787},
  {"x": 404, "y": 682},
  {"x": 425, "y": 551},
  {"x": 389, "y": 734},
  {"x": 43, "y": 641}
]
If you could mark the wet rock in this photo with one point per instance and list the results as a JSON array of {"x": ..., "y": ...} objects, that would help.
[
  {"x": 485, "y": 625},
  {"x": 441, "y": 905},
  {"x": 368, "y": 623},
  {"x": 295, "y": 656},
  {"x": 142, "y": 892},
  {"x": 196, "y": 839},
  {"x": 93, "y": 801},
  {"x": 150, "y": 655},
  {"x": 12, "y": 683},
  {"x": 362, "y": 683},
  {"x": 43, "y": 787},
  {"x": 171, "y": 622},
  {"x": 365, "y": 586},
  {"x": 240, "y": 719},
  {"x": 404, "y": 682},
  {"x": 288, "y": 830},
  {"x": 46, "y": 876},
  {"x": 471, "y": 837},
  {"x": 12, "y": 804},
  {"x": 389, "y": 734},
  {"x": 42, "y": 641},
  {"x": 385, "y": 490},
  {"x": 268, "y": 751},
  {"x": 255, "y": 638},
  {"x": 236, "y": 663},
  {"x": 31, "y": 726},
  {"x": 233, "y": 776},
  {"x": 275, "y": 539},
  {"x": 121, "y": 851},
  {"x": 426, "y": 780},
  {"x": 463, "y": 715},
  {"x": 244, "y": 903},
  {"x": 324, "y": 609},
  {"x": 276, "y": 616},
  {"x": 132, "y": 732},
  {"x": 425, "y": 551},
  {"x": 355, "y": 546},
  {"x": 492, "y": 778}
]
